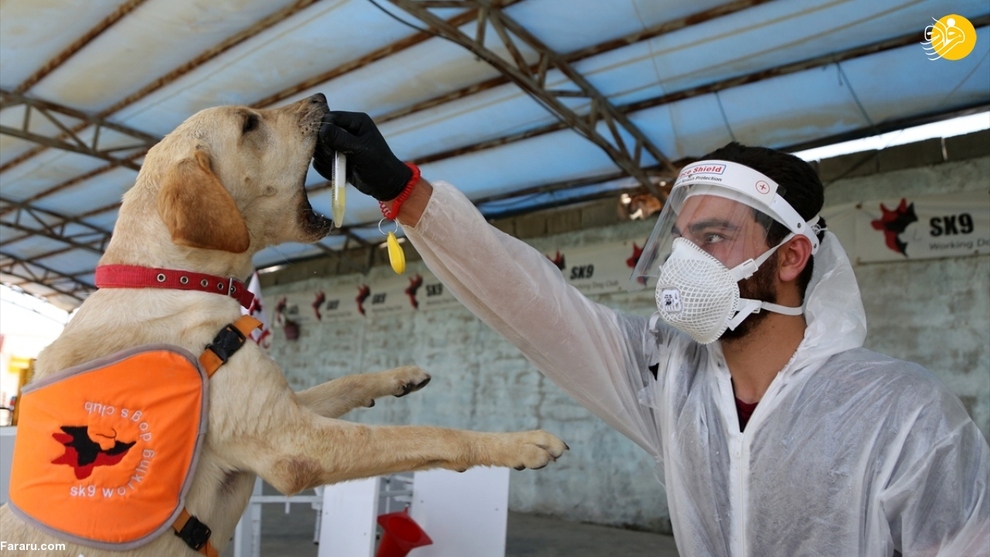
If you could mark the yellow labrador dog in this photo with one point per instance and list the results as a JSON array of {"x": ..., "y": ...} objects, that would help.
[{"x": 226, "y": 183}]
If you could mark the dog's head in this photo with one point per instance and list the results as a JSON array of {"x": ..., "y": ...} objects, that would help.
[{"x": 230, "y": 178}]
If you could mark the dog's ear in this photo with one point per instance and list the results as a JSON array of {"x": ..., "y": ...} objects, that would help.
[{"x": 198, "y": 211}]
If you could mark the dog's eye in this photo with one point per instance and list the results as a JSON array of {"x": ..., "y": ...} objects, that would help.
[{"x": 250, "y": 123}]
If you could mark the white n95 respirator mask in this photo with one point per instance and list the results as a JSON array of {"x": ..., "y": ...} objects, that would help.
[
  {"x": 698, "y": 295},
  {"x": 711, "y": 234}
]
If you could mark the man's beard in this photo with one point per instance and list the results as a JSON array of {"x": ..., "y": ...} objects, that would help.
[{"x": 761, "y": 286}]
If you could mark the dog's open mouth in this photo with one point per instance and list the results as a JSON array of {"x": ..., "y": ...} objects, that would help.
[{"x": 314, "y": 225}]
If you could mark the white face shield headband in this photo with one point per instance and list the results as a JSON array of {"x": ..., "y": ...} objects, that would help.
[{"x": 711, "y": 234}]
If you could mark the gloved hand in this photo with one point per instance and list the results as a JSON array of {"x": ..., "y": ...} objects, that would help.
[{"x": 371, "y": 166}]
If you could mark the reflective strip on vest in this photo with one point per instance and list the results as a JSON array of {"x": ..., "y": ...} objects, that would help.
[{"x": 105, "y": 451}]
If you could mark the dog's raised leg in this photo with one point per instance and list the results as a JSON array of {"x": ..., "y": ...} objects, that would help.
[
  {"x": 310, "y": 450},
  {"x": 339, "y": 396}
]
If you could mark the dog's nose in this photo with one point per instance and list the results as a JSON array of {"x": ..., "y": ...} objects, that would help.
[{"x": 318, "y": 98}]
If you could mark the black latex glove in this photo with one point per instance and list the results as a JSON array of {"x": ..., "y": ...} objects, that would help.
[{"x": 371, "y": 166}]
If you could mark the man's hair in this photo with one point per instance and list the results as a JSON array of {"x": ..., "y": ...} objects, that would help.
[{"x": 798, "y": 183}]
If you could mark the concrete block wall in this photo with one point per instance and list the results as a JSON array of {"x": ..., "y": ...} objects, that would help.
[{"x": 934, "y": 312}]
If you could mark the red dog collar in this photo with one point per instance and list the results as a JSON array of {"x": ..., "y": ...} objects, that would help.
[{"x": 130, "y": 276}]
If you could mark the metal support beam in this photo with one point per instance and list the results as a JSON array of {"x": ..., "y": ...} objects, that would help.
[
  {"x": 27, "y": 271},
  {"x": 817, "y": 62},
  {"x": 68, "y": 184},
  {"x": 369, "y": 58},
  {"x": 70, "y": 122},
  {"x": 578, "y": 55},
  {"x": 54, "y": 226},
  {"x": 519, "y": 71}
]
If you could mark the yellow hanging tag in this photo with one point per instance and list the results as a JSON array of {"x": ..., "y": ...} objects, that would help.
[
  {"x": 337, "y": 188},
  {"x": 395, "y": 254}
]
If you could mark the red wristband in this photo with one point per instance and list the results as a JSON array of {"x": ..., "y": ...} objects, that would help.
[{"x": 406, "y": 192}]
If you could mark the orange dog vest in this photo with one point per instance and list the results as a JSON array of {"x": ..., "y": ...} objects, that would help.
[{"x": 105, "y": 451}]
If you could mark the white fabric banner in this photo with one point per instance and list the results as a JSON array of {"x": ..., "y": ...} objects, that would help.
[
  {"x": 949, "y": 225},
  {"x": 594, "y": 269},
  {"x": 409, "y": 292},
  {"x": 599, "y": 268}
]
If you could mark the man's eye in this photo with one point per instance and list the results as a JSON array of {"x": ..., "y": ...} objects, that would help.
[
  {"x": 713, "y": 238},
  {"x": 250, "y": 123}
]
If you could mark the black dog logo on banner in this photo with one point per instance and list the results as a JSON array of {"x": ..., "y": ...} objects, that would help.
[{"x": 893, "y": 223}]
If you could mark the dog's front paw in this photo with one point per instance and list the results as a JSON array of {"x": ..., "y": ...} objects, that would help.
[
  {"x": 408, "y": 379},
  {"x": 531, "y": 449}
]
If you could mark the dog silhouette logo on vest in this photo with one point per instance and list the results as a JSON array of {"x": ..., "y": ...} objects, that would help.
[{"x": 83, "y": 452}]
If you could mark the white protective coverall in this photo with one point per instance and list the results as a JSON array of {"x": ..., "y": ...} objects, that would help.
[{"x": 849, "y": 453}]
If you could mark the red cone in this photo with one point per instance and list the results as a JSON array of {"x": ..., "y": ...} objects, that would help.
[{"x": 400, "y": 535}]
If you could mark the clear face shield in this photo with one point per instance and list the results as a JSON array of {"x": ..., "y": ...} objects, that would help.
[{"x": 711, "y": 234}]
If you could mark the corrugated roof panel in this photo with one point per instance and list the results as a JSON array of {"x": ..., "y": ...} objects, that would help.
[
  {"x": 485, "y": 116},
  {"x": 7, "y": 233},
  {"x": 104, "y": 220},
  {"x": 100, "y": 191},
  {"x": 83, "y": 234},
  {"x": 791, "y": 109},
  {"x": 39, "y": 290},
  {"x": 323, "y": 37},
  {"x": 562, "y": 155},
  {"x": 71, "y": 262},
  {"x": 418, "y": 73},
  {"x": 181, "y": 28},
  {"x": 628, "y": 142},
  {"x": 817, "y": 103},
  {"x": 117, "y": 144},
  {"x": 625, "y": 75},
  {"x": 687, "y": 128},
  {"x": 43, "y": 124},
  {"x": 574, "y": 24},
  {"x": 889, "y": 84},
  {"x": 12, "y": 147},
  {"x": 759, "y": 38},
  {"x": 28, "y": 40},
  {"x": 32, "y": 246},
  {"x": 424, "y": 71},
  {"x": 45, "y": 170},
  {"x": 12, "y": 116}
]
